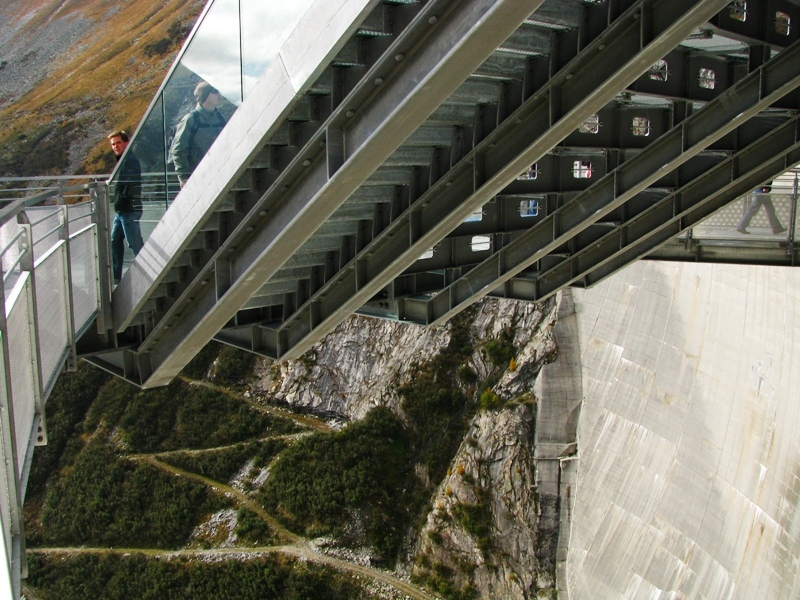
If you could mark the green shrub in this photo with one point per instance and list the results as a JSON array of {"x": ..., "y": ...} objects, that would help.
[
  {"x": 115, "y": 577},
  {"x": 321, "y": 480},
  {"x": 490, "y": 401},
  {"x": 476, "y": 519},
  {"x": 65, "y": 410},
  {"x": 221, "y": 465},
  {"x": 252, "y": 529},
  {"x": 180, "y": 416},
  {"x": 106, "y": 500},
  {"x": 234, "y": 365},
  {"x": 199, "y": 365},
  {"x": 501, "y": 349}
]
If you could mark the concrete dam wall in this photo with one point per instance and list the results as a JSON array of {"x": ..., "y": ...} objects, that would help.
[{"x": 687, "y": 482}]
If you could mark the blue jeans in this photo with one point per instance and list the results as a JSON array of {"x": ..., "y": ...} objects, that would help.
[{"x": 125, "y": 227}]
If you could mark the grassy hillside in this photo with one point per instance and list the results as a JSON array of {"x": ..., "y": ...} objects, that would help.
[{"x": 69, "y": 91}]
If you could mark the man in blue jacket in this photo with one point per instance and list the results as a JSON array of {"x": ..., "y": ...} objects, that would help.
[{"x": 127, "y": 203}]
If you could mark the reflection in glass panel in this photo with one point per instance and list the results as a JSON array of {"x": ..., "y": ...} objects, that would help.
[
  {"x": 582, "y": 169},
  {"x": 738, "y": 10},
  {"x": 531, "y": 174},
  {"x": 214, "y": 55},
  {"x": 640, "y": 126},
  {"x": 590, "y": 125},
  {"x": 707, "y": 79},
  {"x": 782, "y": 23},
  {"x": 659, "y": 71},
  {"x": 265, "y": 26},
  {"x": 476, "y": 215}
]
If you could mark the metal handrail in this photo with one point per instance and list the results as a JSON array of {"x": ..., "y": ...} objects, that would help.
[{"x": 14, "y": 207}]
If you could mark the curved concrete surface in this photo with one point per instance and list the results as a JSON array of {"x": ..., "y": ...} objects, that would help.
[{"x": 688, "y": 481}]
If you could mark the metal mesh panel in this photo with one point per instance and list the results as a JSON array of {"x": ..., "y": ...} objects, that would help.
[
  {"x": 52, "y": 288},
  {"x": 6, "y": 502},
  {"x": 45, "y": 221},
  {"x": 85, "y": 292},
  {"x": 9, "y": 257},
  {"x": 80, "y": 216},
  {"x": 19, "y": 316},
  {"x": 730, "y": 215}
]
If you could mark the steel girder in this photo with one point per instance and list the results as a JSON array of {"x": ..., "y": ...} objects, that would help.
[
  {"x": 756, "y": 92},
  {"x": 397, "y": 95},
  {"x": 664, "y": 220},
  {"x": 615, "y": 58},
  {"x": 688, "y": 206},
  {"x": 396, "y": 150}
]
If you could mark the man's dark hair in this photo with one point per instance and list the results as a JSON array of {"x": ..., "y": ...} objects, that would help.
[{"x": 119, "y": 133}]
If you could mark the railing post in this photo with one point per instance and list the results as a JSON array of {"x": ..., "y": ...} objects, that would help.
[
  {"x": 63, "y": 234},
  {"x": 99, "y": 194},
  {"x": 10, "y": 482},
  {"x": 792, "y": 219},
  {"x": 26, "y": 263}
]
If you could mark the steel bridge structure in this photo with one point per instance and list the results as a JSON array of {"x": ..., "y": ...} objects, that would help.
[{"x": 403, "y": 159}]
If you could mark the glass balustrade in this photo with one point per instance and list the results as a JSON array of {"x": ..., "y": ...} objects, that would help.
[{"x": 229, "y": 48}]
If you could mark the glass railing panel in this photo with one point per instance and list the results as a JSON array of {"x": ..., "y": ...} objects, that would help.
[
  {"x": 214, "y": 54},
  {"x": 85, "y": 276},
  {"x": 11, "y": 241},
  {"x": 51, "y": 310},
  {"x": 24, "y": 379},
  {"x": 232, "y": 44},
  {"x": 143, "y": 166},
  {"x": 265, "y": 27}
]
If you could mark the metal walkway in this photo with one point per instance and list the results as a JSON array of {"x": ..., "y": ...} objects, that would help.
[{"x": 403, "y": 159}]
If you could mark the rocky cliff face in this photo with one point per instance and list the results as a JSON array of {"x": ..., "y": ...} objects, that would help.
[
  {"x": 481, "y": 534},
  {"x": 361, "y": 364}
]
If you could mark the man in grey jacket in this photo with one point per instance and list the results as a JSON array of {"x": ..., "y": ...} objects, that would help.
[{"x": 197, "y": 131}]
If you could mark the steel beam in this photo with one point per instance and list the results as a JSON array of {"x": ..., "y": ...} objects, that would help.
[
  {"x": 757, "y": 91},
  {"x": 615, "y": 58},
  {"x": 689, "y": 206},
  {"x": 459, "y": 37},
  {"x": 646, "y": 230}
]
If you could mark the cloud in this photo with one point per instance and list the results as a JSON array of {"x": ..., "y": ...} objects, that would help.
[{"x": 217, "y": 54}]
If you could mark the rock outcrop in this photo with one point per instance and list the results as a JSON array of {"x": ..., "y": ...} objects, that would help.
[{"x": 481, "y": 534}]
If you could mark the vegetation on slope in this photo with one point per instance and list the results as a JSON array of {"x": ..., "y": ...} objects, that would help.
[
  {"x": 369, "y": 473},
  {"x": 369, "y": 483},
  {"x": 107, "y": 500},
  {"x": 95, "y": 495},
  {"x": 116, "y": 577},
  {"x": 178, "y": 416},
  {"x": 108, "y": 81},
  {"x": 325, "y": 482},
  {"x": 222, "y": 464}
]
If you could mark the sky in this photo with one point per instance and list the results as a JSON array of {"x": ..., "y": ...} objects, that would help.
[{"x": 215, "y": 51}]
